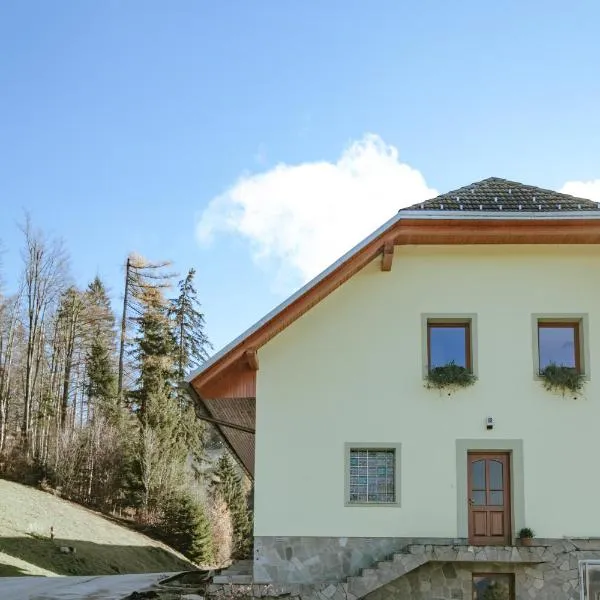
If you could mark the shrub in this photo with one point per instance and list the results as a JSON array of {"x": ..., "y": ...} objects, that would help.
[
  {"x": 526, "y": 532},
  {"x": 222, "y": 530},
  {"x": 450, "y": 376},
  {"x": 562, "y": 379}
]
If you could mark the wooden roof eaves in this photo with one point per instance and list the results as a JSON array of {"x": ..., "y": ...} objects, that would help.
[
  {"x": 202, "y": 410},
  {"x": 240, "y": 344},
  {"x": 354, "y": 260}
]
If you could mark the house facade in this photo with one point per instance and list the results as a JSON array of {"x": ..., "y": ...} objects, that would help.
[{"x": 395, "y": 414}]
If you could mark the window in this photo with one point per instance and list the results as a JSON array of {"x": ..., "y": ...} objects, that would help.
[
  {"x": 496, "y": 586},
  {"x": 372, "y": 474},
  {"x": 589, "y": 579},
  {"x": 449, "y": 341},
  {"x": 559, "y": 344},
  {"x": 562, "y": 339}
]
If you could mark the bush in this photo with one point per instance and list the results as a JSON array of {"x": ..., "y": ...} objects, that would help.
[
  {"x": 227, "y": 486},
  {"x": 562, "y": 379},
  {"x": 450, "y": 376},
  {"x": 222, "y": 530}
]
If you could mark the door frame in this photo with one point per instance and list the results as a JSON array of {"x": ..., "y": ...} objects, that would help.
[
  {"x": 517, "y": 480},
  {"x": 507, "y": 496}
]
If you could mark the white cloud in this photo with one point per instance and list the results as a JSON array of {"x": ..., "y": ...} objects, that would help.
[
  {"x": 583, "y": 189},
  {"x": 301, "y": 218}
]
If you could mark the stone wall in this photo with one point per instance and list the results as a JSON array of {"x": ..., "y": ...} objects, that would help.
[
  {"x": 454, "y": 581},
  {"x": 323, "y": 559},
  {"x": 424, "y": 569}
]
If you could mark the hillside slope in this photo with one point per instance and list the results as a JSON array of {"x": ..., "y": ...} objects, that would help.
[{"x": 101, "y": 546}]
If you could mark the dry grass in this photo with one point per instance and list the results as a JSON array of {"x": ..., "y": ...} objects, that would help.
[{"x": 102, "y": 546}]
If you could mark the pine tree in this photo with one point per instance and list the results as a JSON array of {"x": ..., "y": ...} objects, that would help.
[
  {"x": 188, "y": 324},
  {"x": 100, "y": 355},
  {"x": 192, "y": 348},
  {"x": 162, "y": 449},
  {"x": 155, "y": 358},
  {"x": 187, "y": 529},
  {"x": 228, "y": 485}
]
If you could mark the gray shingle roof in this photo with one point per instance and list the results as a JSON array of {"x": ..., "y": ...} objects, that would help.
[{"x": 495, "y": 194}]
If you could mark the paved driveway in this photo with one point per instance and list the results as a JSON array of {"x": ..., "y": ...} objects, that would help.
[{"x": 102, "y": 587}]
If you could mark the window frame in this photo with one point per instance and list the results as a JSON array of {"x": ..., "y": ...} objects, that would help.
[
  {"x": 466, "y": 320},
  {"x": 386, "y": 447},
  {"x": 579, "y": 323},
  {"x": 575, "y": 326}
]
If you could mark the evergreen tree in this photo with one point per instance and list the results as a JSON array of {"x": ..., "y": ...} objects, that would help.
[
  {"x": 187, "y": 529},
  {"x": 155, "y": 358},
  {"x": 100, "y": 355},
  {"x": 228, "y": 486},
  {"x": 192, "y": 347},
  {"x": 162, "y": 450},
  {"x": 188, "y": 324}
]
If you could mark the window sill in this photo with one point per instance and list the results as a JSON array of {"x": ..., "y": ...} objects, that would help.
[{"x": 585, "y": 376}]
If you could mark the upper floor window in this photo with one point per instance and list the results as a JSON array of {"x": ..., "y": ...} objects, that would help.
[
  {"x": 559, "y": 343},
  {"x": 449, "y": 342}
]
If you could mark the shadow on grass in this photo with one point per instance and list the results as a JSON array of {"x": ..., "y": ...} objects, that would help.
[
  {"x": 89, "y": 558},
  {"x": 11, "y": 571}
]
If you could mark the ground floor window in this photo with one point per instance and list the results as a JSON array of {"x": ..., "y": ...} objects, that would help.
[
  {"x": 372, "y": 474},
  {"x": 589, "y": 571},
  {"x": 493, "y": 586}
]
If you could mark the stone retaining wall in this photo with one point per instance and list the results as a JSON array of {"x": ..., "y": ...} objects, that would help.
[
  {"x": 443, "y": 571},
  {"x": 324, "y": 559}
]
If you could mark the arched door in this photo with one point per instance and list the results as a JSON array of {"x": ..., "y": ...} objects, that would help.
[{"x": 489, "y": 498}]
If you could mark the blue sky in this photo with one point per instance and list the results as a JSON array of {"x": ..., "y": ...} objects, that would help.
[{"x": 256, "y": 141}]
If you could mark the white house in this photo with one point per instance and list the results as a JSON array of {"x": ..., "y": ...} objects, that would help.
[{"x": 369, "y": 480}]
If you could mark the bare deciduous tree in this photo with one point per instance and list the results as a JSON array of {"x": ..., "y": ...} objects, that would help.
[{"x": 44, "y": 275}]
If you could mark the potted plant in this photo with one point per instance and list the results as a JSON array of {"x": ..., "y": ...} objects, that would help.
[
  {"x": 450, "y": 376},
  {"x": 526, "y": 536},
  {"x": 558, "y": 378}
]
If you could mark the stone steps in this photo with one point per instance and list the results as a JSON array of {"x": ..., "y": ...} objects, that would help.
[{"x": 413, "y": 556}]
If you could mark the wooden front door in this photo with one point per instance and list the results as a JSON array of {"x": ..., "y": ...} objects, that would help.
[{"x": 489, "y": 498}]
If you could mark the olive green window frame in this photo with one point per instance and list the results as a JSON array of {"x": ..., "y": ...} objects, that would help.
[
  {"x": 397, "y": 448},
  {"x": 517, "y": 480},
  {"x": 448, "y": 318},
  {"x": 582, "y": 319}
]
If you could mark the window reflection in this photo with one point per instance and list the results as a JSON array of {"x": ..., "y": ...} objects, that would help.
[
  {"x": 496, "y": 586},
  {"x": 448, "y": 343},
  {"x": 496, "y": 477},
  {"x": 557, "y": 345},
  {"x": 478, "y": 474}
]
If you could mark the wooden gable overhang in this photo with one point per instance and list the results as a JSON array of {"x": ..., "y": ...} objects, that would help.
[{"x": 226, "y": 385}]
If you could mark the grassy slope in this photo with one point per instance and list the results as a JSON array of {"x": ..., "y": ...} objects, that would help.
[{"x": 102, "y": 547}]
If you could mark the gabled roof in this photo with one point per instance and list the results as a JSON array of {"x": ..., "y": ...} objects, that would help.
[
  {"x": 498, "y": 212},
  {"x": 495, "y": 195}
]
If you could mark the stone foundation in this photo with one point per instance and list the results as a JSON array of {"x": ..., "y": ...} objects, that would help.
[
  {"x": 411, "y": 569},
  {"x": 454, "y": 581},
  {"x": 324, "y": 559}
]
